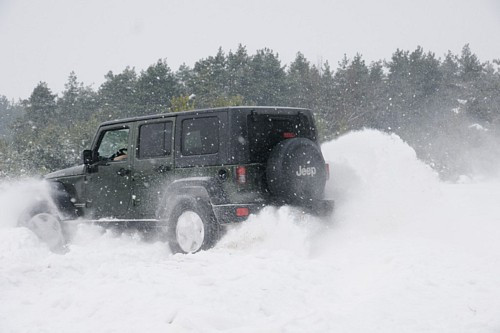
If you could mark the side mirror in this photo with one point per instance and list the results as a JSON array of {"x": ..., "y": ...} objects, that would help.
[{"x": 87, "y": 157}]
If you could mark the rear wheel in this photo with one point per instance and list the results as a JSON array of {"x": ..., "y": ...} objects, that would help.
[
  {"x": 190, "y": 231},
  {"x": 192, "y": 227}
]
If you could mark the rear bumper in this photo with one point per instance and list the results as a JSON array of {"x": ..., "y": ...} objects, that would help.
[
  {"x": 227, "y": 213},
  {"x": 321, "y": 208}
]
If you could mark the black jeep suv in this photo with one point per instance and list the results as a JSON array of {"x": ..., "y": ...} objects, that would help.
[{"x": 188, "y": 174}]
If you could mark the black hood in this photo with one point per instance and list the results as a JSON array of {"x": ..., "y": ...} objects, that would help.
[{"x": 73, "y": 171}]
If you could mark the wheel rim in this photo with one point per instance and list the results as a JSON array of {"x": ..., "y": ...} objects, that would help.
[
  {"x": 47, "y": 227},
  {"x": 190, "y": 231}
]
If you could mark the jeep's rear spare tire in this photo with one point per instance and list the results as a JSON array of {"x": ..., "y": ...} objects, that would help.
[{"x": 296, "y": 171}]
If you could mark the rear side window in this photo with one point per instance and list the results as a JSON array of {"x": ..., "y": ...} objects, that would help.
[
  {"x": 155, "y": 140},
  {"x": 266, "y": 131},
  {"x": 200, "y": 136}
]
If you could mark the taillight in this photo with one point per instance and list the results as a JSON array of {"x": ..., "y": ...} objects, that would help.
[
  {"x": 241, "y": 175},
  {"x": 288, "y": 135},
  {"x": 242, "y": 211},
  {"x": 327, "y": 167}
]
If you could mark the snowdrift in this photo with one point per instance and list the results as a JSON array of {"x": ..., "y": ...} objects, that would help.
[{"x": 404, "y": 252}]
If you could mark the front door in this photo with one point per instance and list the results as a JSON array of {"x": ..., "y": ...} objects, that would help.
[{"x": 109, "y": 179}]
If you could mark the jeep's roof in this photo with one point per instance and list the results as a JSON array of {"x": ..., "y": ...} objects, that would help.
[{"x": 196, "y": 112}]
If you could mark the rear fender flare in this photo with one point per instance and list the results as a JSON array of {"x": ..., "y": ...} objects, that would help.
[{"x": 199, "y": 188}]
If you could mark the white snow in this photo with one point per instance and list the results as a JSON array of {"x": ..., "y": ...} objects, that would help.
[
  {"x": 478, "y": 127},
  {"x": 404, "y": 252}
]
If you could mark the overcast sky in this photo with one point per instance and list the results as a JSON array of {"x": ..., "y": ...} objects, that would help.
[{"x": 44, "y": 40}]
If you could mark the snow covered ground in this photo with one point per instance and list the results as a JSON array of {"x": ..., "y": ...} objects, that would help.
[{"x": 404, "y": 252}]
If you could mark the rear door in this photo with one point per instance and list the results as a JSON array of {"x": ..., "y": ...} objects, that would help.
[{"x": 153, "y": 165}]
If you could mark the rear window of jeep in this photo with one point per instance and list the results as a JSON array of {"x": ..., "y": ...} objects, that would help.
[
  {"x": 155, "y": 140},
  {"x": 200, "y": 136},
  {"x": 266, "y": 131}
]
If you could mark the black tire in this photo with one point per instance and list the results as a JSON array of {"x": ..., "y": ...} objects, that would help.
[
  {"x": 296, "y": 171},
  {"x": 43, "y": 220},
  {"x": 189, "y": 207}
]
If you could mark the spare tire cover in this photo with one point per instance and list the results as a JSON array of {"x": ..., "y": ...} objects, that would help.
[{"x": 296, "y": 171}]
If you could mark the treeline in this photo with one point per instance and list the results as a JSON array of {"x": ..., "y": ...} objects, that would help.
[{"x": 415, "y": 94}]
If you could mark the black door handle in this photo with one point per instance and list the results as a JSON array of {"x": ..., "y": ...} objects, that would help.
[
  {"x": 123, "y": 172},
  {"x": 163, "y": 168}
]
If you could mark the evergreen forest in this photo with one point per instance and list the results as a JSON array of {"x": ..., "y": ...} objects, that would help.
[{"x": 446, "y": 107}]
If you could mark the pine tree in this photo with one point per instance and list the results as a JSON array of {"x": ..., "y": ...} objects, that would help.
[
  {"x": 76, "y": 118},
  {"x": 118, "y": 95},
  {"x": 238, "y": 72},
  {"x": 300, "y": 82},
  {"x": 78, "y": 103},
  {"x": 210, "y": 79},
  {"x": 469, "y": 65},
  {"x": 9, "y": 112},
  {"x": 155, "y": 88},
  {"x": 267, "y": 79},
  {"x": 351, "y": 82},
  {"x": 40, "y": 106},
  {"x": 325, "y": 108},
  {"x": 377, "y": 96},
  {"x": 185, "y": 79},
  {"x": 36, "y": 140}
]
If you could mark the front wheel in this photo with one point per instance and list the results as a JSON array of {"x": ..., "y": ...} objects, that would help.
[
  {"x": 45, "y": 224},
  {"x": 192, "y": 227}
]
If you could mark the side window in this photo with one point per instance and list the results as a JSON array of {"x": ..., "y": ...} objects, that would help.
[
  {"x": 114, "y": 144},
  {"x": 200, "y": 136},
  {"x": 155, "y": 140}
]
